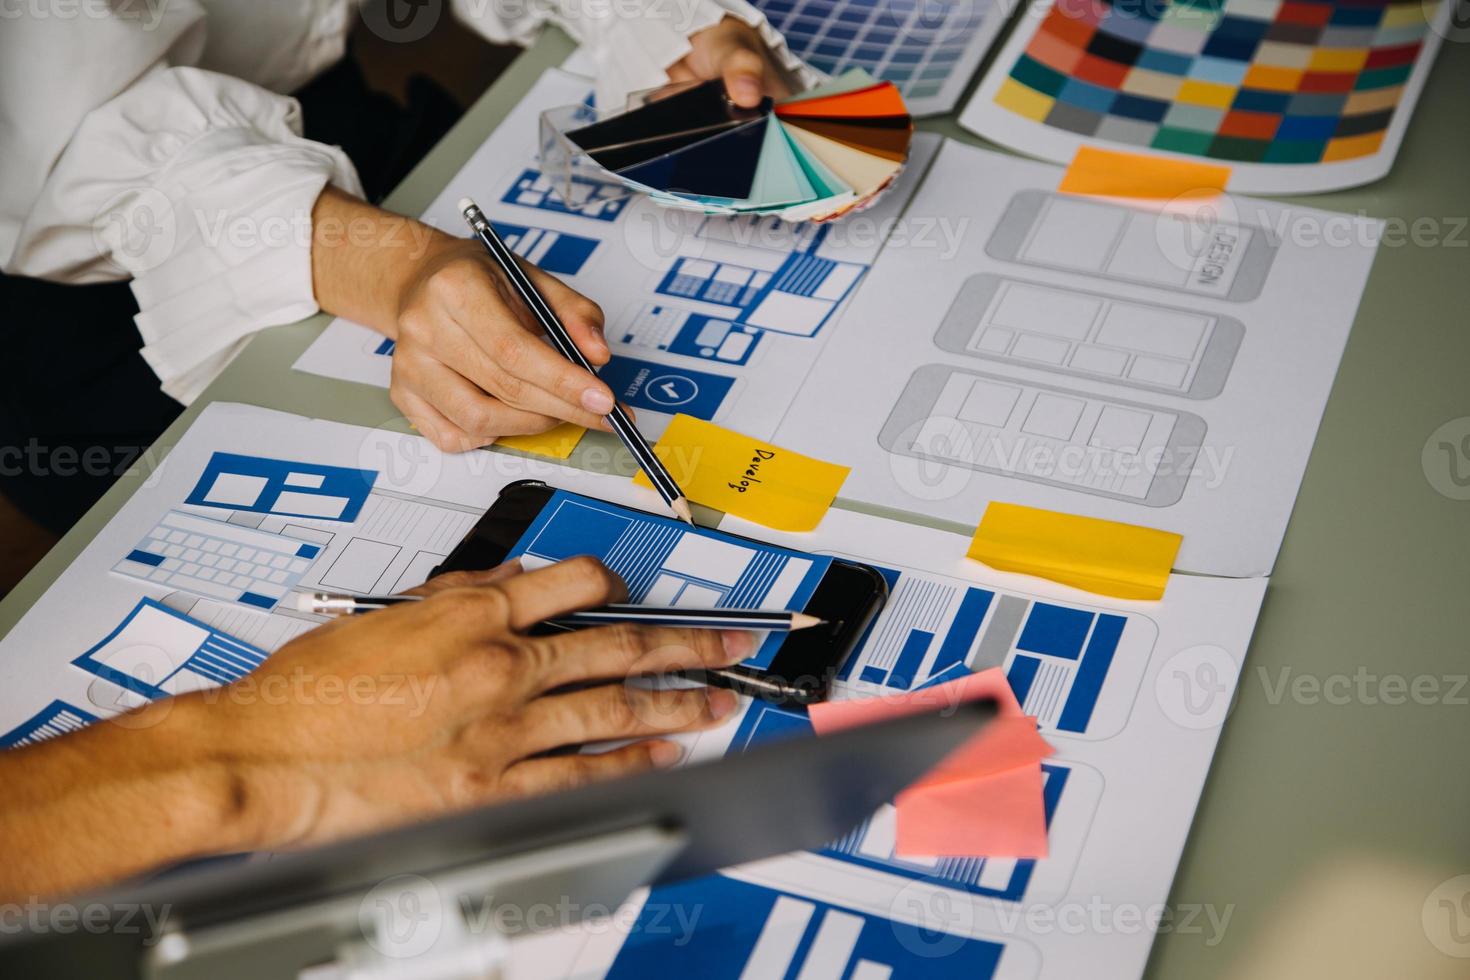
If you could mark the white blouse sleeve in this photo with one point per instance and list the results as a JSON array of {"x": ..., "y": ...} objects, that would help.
[
  {"x": 196, "y": 186},
  {"x": 632, "y": 42}
]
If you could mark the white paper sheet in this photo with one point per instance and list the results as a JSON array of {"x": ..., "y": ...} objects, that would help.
[
  {"x": 1083, "y": 356},
  {"x": 1055, "y": 142},
  {"x": 715, "y": 317},
  {"x": 1122, "y": 793},
  {"x": 140, "y": 639},
  {"x": 1131, "y": 694}
]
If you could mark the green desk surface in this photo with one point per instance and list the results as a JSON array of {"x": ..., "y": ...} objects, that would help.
[{"x": 1331, "y": 812}]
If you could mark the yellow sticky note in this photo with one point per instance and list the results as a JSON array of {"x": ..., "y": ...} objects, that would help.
[
  {"x": 1108, "y": 172},
  {"x": 1105, "y": 557},
  {"x": 746, "y": 477},
  {"x": 556, "y": 443}
]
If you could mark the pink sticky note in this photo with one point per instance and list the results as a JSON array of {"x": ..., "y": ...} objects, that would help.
[
  {"x": 984, "y": 799},
  {"x": 1008, "y": 741},
  {"x": 1000, "y": 815}
]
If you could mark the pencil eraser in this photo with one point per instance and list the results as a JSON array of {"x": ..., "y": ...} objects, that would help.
[
  {"x": 305, "y": 603},
  {"x": 465, "y": 204}
]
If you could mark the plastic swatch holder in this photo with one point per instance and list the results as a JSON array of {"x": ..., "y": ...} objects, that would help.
[
  {"x": 678, "y": 140},
  {"x": 574, "y": 176},
  {"x": 812, "y": 157}
]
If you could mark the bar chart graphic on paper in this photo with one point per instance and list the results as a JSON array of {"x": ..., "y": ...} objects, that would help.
[
  {"x": 1076, "y": 669},
  {"x": 752, "y": 932},
  {"x": 871, "y": 845}
]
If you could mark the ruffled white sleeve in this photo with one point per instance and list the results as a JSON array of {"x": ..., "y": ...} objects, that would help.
[
  {"x": 632, "y": 43},
  {"x": 199, "y": 188}
]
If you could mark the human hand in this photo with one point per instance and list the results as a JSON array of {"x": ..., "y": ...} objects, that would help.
[
  {"x": 734, "y": 51},
  {"x": 469, "y": 363},
  {"x": 450, "y": 705}
]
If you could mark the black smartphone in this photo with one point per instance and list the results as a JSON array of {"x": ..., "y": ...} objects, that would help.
[{"x": 666, "y": 562}]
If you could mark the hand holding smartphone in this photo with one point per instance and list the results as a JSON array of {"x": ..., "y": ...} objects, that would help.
[{"x": 667, "y": 563}]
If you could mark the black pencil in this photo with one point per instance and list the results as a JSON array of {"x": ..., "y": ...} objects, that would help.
[
  {"x": 774, "y": 620},
  {"x": 665, "y": 484}
]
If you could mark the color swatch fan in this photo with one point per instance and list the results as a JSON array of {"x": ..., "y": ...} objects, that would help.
[{"x": 810, "y": 158}]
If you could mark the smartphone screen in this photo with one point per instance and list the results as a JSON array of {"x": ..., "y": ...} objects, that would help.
[{"x": 666, "y": 563}]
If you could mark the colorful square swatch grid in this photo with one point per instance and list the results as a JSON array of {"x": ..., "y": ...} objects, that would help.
[
  {"x": 928, "y": 48},
  {"x": 1296, "y": 96},
  {"x": 1260, "y": 81}
]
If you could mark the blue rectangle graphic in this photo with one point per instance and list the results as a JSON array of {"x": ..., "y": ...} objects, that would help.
[
  {"x": 765, "y": 722},
  {"x": 910, "y": 657},
  {"x": 963, "y": 630},
  {"x": 1055, "y": 631},
  {"x": 645, "y": 384},
  {"x": 1091, "y": 673},
  {"x": 1021, "y": 675},
  {"x": 262, "y": 485}
]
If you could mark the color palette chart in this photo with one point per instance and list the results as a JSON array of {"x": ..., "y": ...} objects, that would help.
[
  {"x": 1297, "y": 95},
  {"x": 813, "y": 157},
  {"x": 928, "y": 49}
]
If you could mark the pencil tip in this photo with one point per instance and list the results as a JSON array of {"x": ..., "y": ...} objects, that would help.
[
  {"x": 802, "y": 621},
  {"x": 680, "y": 507}
]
